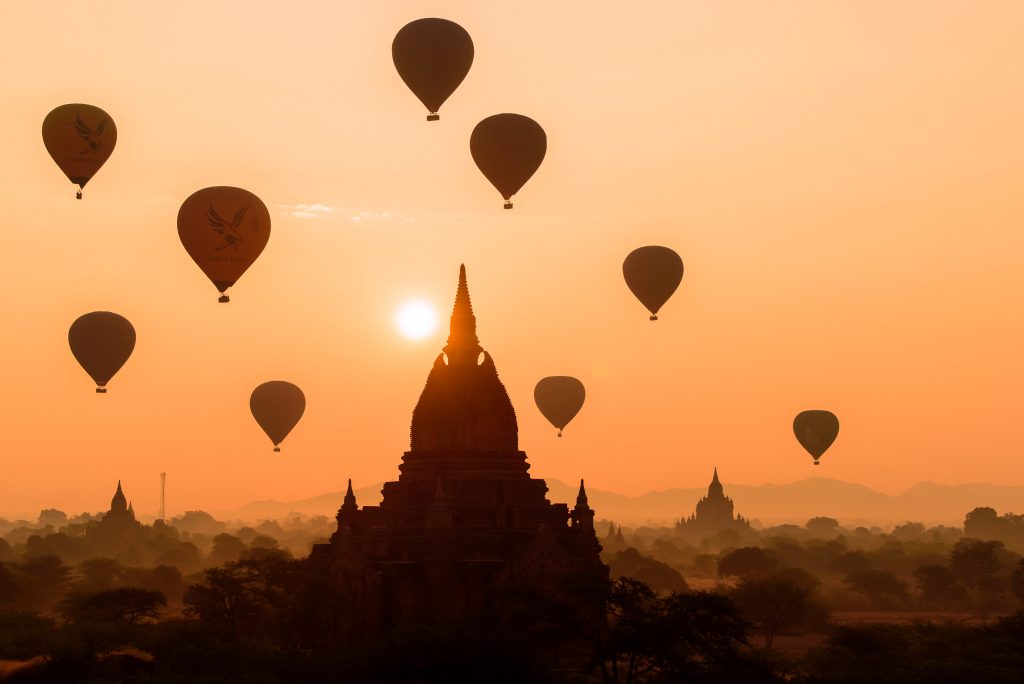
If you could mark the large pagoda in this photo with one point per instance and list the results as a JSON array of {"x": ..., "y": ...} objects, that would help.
[{"x": 464, "y": 519}]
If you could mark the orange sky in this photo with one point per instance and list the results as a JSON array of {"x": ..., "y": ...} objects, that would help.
[{"x": 843, "y": 181}]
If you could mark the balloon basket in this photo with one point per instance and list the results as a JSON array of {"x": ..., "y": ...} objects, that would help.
[
  {"x": 654, "y": 318},
  {"x": 816, "y": 463},
  {"x": 277, "y": 450},
  {"x": 559, "y": 433},
  {"x": 101, "y": 390},
  {"x": 224, "y": 299},
  {"x": 78, "y": 195},
  {"x": 433, "y": 117},
  {"x": 508, "y": 205}
]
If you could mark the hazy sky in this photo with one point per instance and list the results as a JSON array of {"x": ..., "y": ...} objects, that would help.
[{"x": 843, "y": 181}]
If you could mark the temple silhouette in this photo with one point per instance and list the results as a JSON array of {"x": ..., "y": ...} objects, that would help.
[
  {"x": 118, "y": 529},
  {"x": 464, "y": 519},
  {"x": 714, "y": 513}
]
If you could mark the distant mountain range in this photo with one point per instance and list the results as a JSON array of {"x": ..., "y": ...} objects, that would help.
[{"x": 851, "y": 504}]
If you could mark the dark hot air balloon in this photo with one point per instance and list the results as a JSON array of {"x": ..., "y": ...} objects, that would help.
[
  {"x": 101, "y": 342},
  {"x": 223, "y": 229},
  {"x": 653, "y": 273},
  {"x": 277, "y": 407},
  {"x": 816, "y": 430},
  {"x": 432, "y": 56},
  {"x": 508, "y": 148},
  {"x": 80, "y": 138},
  {"x": 559, "y": 398}
]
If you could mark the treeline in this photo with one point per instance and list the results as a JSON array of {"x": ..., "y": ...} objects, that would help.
[
  {"x": 909, "y": 568},
  {"x": 260, "y": 619}
]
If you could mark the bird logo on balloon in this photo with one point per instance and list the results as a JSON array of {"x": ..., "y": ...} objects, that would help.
[
  {"x": 228, "y": 232},
  {"x": 90, "y": 136}
]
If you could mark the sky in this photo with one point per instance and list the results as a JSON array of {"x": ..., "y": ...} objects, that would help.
[{"x": 842, "y": 180}]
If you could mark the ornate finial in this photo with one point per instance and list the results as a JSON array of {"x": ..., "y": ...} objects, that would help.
[
  {"x": 463, "y": 345},
  {"x": 715, "y": 478}
]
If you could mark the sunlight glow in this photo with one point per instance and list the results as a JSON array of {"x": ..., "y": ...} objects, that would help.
[{"x": 416, "y": 319}]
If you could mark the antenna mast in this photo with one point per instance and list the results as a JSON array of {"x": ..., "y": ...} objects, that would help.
[{"x": 163, "y": 486}]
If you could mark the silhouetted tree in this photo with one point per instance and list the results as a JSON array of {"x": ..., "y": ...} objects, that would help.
[
  {"x": 99, "y": 574},
  {"x": 41, "y": 582},
  {"x": 684, "y": 636},
  {"x": 659, "y": 576},
  {"x": 1017, "y": 580},
  {"x": 975, "y": 562},
  {"x": 225, "y": 599},
  {"x": 938, "y": 587},
  {"x": 884, "y": 589},
  {"x": 125, "y": 606},
  {"x": 746, "y": 562},
  {"x": 226, "y": 548},
  {"x": 822, "y": 526},
  {"x": 6, "y": 554},
  {"x": 773, "y": 603},
  {"x": 51, "y": 516}
]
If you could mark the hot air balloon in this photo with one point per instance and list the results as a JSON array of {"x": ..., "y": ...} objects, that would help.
[
  {"x": 80, "y": 138},
  {"x": 101, "y": 342},
  {"x": 432, "y": 56},
  {"x": 508, "y": 148},
  {"x": 277, "y": 406},
  {"x": 223, "y": 229},
  {"x": 816, "y": 430},
  {"x": 653, "y": 274},
  {"x": 559, "y": 398}
]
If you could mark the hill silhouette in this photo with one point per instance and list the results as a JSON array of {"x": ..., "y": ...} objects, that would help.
[{"x": 796, "y": 502}]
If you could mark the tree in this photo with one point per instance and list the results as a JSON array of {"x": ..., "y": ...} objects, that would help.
[
  {"x": 226, "y": 548},
  {"x": 226, "y": 598},
  {"x": 658, "y": 575},
  {"x": 975, "y": 562},
  {"x": 123, "y": 606},
  {"x": 984, "y": 523},
  {"x": 938, "y": 587},
  {"x": 746, "y": 562},
  {"x": 1017, "y": 581},
  {"x": 773, "y": 603},
  {"x": 53, "y": 517},
  {"x": 683, "y": 636},
  {"x": 99, "y": 574},
  {"x": 822, "y": 526},
  {"x": 882, "y": 588}
]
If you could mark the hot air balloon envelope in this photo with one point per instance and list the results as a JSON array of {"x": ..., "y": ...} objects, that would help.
[
  {"x": 80, "y": 138},
  {"x": 277, "y": 406},
  {"x": 508, "y": 148},
  {"x": 816, "y": 430},
  {"x": 432, "y": 56},
  {"x": 223, "y": 229},
  {"x": 101, "y": 342},
  {"x": 653, "y": 273},
  {"x": 559, "y": 398}
]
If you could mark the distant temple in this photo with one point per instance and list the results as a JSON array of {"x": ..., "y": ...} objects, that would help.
[
  {"x": 118, "y": 527},
  {"x": 464, "y": 518},
  {"x": 714, "y": 513}
]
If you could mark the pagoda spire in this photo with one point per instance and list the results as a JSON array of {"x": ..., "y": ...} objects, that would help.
[
  {"x": 118, "y": 503},
  {"x": 715, "y": 489},
  {"x": 350, "y": 497},
  {"x": 581, "y": 498},
  {"x": 582, "y": 515},
  {"x": 463, "y": 347},
  {"x": 349, "y": 511}
]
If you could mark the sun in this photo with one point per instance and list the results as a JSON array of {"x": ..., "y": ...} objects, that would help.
[{"x": 416, "y": 319}]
